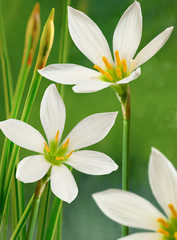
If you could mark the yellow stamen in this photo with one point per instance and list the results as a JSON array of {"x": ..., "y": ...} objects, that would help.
[
  {"x": 117, "y": 58},
  {"x": 175, "y": 235},
  {"x": 68, "y": 155},
  {"x": 108, "y": 75},
  {"x": 106, "y": 62},
  {"x": 124, "y": 65},
  {"x": 57, "y": 135},
  {"x": 60, "y": 158},
  {"x": 173, "y": 210},
  {"x": 119, "y": 73},
  {"x": 66, "y": 143},
  {"x": 162, "y": 231},
  {"x": 99, "y": 69},
  {"x": 46, "y": 147},
  {"x": 163, "y": 222}
]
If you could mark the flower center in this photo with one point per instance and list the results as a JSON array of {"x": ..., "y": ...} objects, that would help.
[
  {"x": 55, "y": 154},
  {"x": 113, "y": 74},
  {"x": 169, "y": 228}
]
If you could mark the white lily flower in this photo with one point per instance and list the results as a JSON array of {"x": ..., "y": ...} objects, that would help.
[
  {"x": 54, "y": 154},
  {"x": 91, "y": 42},
  {"x": 131, "y": 210}
]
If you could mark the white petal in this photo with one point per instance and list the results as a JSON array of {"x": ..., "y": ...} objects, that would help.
[
  {"x": 52, "y": 113},
  {"x": 88, "y": 37},
  {"x": 90, "y": 86},
  {"x": 163, "y": 180},
  {"x": 143, "y": 236},
  {"x": 68, "y": 73},
  {"x": 152, "y": 48},
  {"x": 32, "y": 168},
  {"x": 91, "y": 130},
  {"x": 92, "y": 162},
  {"x": 23, "y": 135},
  {"x": 63, "y": 184},
  {"x": 128, "y": 32},
  {"x": 134, "y": 75},
  {"x": 128, "y": 209}
]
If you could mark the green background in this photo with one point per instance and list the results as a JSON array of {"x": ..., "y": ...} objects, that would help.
[{"x": 153, "y": 102}]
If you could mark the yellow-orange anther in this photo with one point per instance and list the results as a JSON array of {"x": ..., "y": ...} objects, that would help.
[
  {"x": 57, "y": 135},
  {"x": 175, "y": 235},
  {"x": 124, "y": 65},
  {"x": 46, "y": 147},
  {"x": 163, "y": 222},
  {"x": 108, "y": 75},
  {"x": 60, "y": 158},
  {"x": 162, "y": 231},
  {"x": 66, "y": 143},
  {"x": 173, "y": 210},
  {"x": 99, "y": 69},
  {"x": 117, "y": 58},
  {"x": 119, "y": 73},
  {"x": 106, "y": 62},
  {"x": 68, "y": 155}
]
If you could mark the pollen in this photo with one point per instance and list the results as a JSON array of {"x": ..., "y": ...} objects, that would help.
[
  {"x": 99, "y": 69},
  {"x": 46, "y": 147},
  {"x": 68, "y": 155},
  {"x": 124, "y": 65},
  {"x": 119, "y": 73},
  {"x": 106, "y": 62},
  {"x": 162, "y": 231},
  {"x": 108, "y": 75},
  {"x": 117, "y": 58},
  {"x": 66, "y": 143},
  {"x": 173, "y": 210},
  {"x": 175, "y": 235},
  {"x": 163, "y": 222},
  {"x": 57, "y": 135},
  {"x": 60, "y": 158}
]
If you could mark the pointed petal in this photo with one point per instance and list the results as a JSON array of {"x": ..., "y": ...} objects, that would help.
[
  {"x": 151, "y": 48},
  {"x": 128, "y": 32},
  {"x": 88, "y": 37},
  {"x": 68, "y": 73},
  {"x": 143, "y": 236},
  {"x": 63, "y": 184},
  {"x": 128, "y": 209},
  {"x": 163, "y": 180},
  {"x": 32, "y": 169},
  {"x": 23, "y": 135},
  {"x": 91, "y": 130},
  {"x": 134, "y": 75},
  {"x": 52, "y": 113},
  {"x": 90, "y": 86},
  {"x": 92, "y": 162}
]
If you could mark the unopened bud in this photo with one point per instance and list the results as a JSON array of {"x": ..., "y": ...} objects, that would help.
[
  {"x": 33, "y": 29},
  {"x": 46, "y": 41}
]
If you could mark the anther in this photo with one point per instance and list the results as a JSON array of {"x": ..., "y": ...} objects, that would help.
[
  {"x": 60, "y": 158},
  {"x": 99, "y": 69},
  {"x": 68, "y": 155},
  {"x": 119, "y": 73},
  {"x": 163, "y": 222},
  {"x": 106, "y": 62},
  {"x": 175, "y": 235},
  {"x": 108, "y": 75},
  {"x": 124, "y": 65},
  {"x": 57, "y": 135},
  {"x": 117, "y": 58},
  {"x": 162, "y": 231},
  {"x": 46, "y": 147},
  {"x": 173, "y": 210},
  {"x": 66, "y": 143}
]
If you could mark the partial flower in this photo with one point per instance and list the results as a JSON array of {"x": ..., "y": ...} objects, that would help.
[
  {"x": 91, "y": 42},
  {"x": 54, "y": 154},
  {"x": 131, "y": 210}
]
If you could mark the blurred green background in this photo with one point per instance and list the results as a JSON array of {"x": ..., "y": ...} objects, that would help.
[{"x": 153, "y": 95}]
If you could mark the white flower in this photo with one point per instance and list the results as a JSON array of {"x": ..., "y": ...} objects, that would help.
[
  {"x": 91, "y": 42},
  {"x": 131, "y": 210},
  {"x": 55, "y": 154}
]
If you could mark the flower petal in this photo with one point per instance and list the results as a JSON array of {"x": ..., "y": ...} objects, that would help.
[
  {"x": 134, "y": 75},
  {"x": 91, "y": 130},
  {"x": 92, "y": 162},
  {"x": 128, "y": 209},
  {"x": 32, "y": 169},
  {"x": 88, "y": 37},
  {"x": 90, "y": 86},
  {"x": 52, "y": 113},
  {"x": 151, "y": 48},
  {"x": 163, "y": 180},
  {"x": 143, "y": 236},
  {"x": 63, "y": 184},
  {"x": 23, "y": 135},
  {"x": 68, "y": 73},
  {"x": 127, "y": 35}
]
